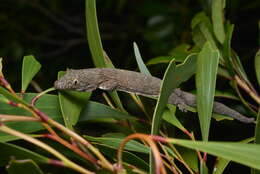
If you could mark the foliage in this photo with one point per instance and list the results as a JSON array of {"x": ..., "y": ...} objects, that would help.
[{"x": 86, "y": 136}]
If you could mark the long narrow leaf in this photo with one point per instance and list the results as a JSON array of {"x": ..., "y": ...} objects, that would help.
[
  {"x": 227, "y": 49},
  {"x": 98, "y": 55},
  {"x": 207, "y": 66},
  {"x": 94, "y": 40},
  {"x": 247, "y": 154},
  {"x": 222, "y": 163},
  {"x": 257, "y": 66},
  {"x": 257, "y": 136},
  {"x": 166, "y": 89},
  {"x": 139, "y": 60},
  {"x": 218, "y": 19}
]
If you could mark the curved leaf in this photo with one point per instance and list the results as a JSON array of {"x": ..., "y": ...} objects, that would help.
[
  {"x": 30, "y": 67},
  {"x": 139, "y": 60},
  {"x": 167, "y": 87}
]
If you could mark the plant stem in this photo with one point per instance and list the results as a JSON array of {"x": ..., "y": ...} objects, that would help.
[
  {"x": 72, "y": 147},
  {"x": 103, "y": 161},
  {"x": 149, "y": 140},
  {"x": 11, "y": 118},
  {"x": 243, "y": 85}
]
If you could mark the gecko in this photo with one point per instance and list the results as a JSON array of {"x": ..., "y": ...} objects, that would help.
[{"x": 110, "y": 79}]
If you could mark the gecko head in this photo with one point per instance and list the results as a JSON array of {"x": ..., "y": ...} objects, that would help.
[{"x": 78, "y": 80}]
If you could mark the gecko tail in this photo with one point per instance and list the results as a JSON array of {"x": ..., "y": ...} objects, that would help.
[{"x": 220, "y": 108}]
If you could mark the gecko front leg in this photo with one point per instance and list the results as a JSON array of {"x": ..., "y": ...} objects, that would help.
[{"x": 108, "y": 85}]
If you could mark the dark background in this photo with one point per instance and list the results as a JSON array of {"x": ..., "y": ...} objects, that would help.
[{"x": 54, "y": 32}]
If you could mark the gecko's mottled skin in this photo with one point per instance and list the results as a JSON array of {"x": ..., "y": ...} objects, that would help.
[{"x": 134, "y": 82}]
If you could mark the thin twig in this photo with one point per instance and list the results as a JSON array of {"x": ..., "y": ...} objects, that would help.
[
  {"x": 243, "y": 85},
  {"x": 12, "y": 118}
]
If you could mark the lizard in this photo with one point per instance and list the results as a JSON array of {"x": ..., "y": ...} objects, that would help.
[{"x": 109, "y": 79}]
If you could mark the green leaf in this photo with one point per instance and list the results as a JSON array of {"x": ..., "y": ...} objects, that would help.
[
  {"x": 222, "y": 163},
  {"x": 218, "y": 19},
  {"x": 180, "y": 73},
  {"x": 203, "y": 168},
  {"x": 206, "y": 31},
  {"x": 224, "y": 73},
  {"x": 139, "y": 60},
  {"x": 190, "y": 157},
  {"x": 240, "y": 69},
  {"x": 99, "y": 57},
  {"x": 225, "y": 94},
  {"x": 170, "y": 151},
  {"x": 48, "y": 104},
  {"x": 93, "y": 35},
  {"x": 185, "y": 70},
  {"x": 219, "y": 117},
  {"x": 202, "y": 30},
  {"x": 167, "y": 87},
  {"x": 246, "y": 154},
  {"x": 19, "y": 153},
  {"x": 23, "y": 166},
  {"x": 207, "y": 66},
  {"x": 257, "y": 129},
  {"x": 169, "y": 116},
  {"x": 257, "y": 136},
  {"x": 257, "y": 66},
  {"x": 132, "y": 145},
  {"x": 160, "y": 59},
  {"x": 71, "y": 104},
  {"x": 198, "y": 18},
  {"x": 30, "y": 68},
  {"x": 227, "y": 50},
  {"x": 181, "y": 52},
  {"x": 11, "y": 96},
  {"x": 95, "y": 111}
]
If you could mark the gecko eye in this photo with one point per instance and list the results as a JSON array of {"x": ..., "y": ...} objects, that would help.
[{"x": 75, "y": 82}]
